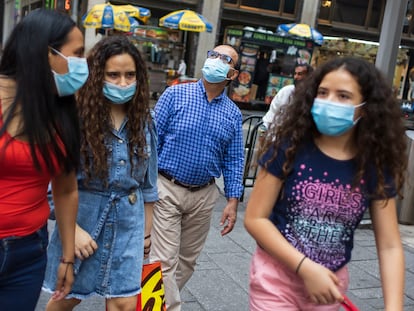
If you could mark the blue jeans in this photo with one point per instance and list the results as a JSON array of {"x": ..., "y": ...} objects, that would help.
[{"x": 22, "y": 269}]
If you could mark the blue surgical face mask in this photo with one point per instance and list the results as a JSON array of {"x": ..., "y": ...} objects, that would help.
[
  {"x": 215, "y": 71},
  {"x": 119, "y": 94},
  {"x": 332, "y": 118},
  {"x": 78, "y": 72}
]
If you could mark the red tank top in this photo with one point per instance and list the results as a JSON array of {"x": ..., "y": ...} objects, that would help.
[{"x": 23, "y": 189}]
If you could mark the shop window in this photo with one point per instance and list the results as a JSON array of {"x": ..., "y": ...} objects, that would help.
[
  {"x": 364, "y": 13},
  {"x": 325, "y": 10},
  {"x": 286, "y": 6},
  {"x": 272, "y": 5},
  {"x": 35, "y": 5},
  {"x": 351, "y": 11},
  {"x": 290, "y": 6},
  {"x": 31, "y": 5},
  {"x": 408, "y": 25},
  {"x": 377, "y": 11},
  {"x": 25, "y": 10}
]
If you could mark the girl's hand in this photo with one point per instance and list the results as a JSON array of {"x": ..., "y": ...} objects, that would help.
[
  {"x": 85, "y": 246},
  {"x": 321, "y": 283},
  {"x": 65, "y": 280}
]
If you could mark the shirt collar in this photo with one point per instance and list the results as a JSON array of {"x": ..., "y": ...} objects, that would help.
[
  {"x": 121, "y": 133},
  {"x": 203, "y": 89}
]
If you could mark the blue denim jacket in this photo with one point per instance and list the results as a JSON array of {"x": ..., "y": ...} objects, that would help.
[{"x": 115, "y": 219}]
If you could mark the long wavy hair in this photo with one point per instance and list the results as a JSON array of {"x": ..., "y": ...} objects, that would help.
[
  {"x": 45, "y": 116},
  {"x": 95, "y": 110},
  {"x": 379, "y": 135}
]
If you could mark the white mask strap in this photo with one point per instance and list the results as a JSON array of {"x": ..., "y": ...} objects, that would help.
[{"x": 57, "y": 52}]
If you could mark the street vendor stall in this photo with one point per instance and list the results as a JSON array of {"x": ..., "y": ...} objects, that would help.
[
  {"x": 267, "y": 62},
  {"x": 162, "y": 50}
]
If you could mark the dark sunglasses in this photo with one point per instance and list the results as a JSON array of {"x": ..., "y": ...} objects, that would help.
[{"x": 225, "y": 58}]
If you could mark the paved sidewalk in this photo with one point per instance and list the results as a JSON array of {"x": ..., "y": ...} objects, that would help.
[{"x": 220, "y": 282}]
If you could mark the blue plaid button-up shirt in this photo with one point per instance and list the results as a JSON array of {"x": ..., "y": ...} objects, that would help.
[{"x": 198, "y": 139}]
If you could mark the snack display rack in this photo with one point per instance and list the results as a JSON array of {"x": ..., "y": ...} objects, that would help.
[{"x": 162, "y": 50}]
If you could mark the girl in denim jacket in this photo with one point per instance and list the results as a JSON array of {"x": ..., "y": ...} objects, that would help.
[{"x": 117, "y": 182}]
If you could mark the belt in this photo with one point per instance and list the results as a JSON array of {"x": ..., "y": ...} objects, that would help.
[{"x": 191, "y": 188}]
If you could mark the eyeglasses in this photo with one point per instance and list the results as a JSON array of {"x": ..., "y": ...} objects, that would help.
[{"x": 225, "y": 58}]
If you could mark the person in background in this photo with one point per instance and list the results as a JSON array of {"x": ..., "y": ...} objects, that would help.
[
  {"x": 182, "y": 68},
  {"x": 200, "y": 138},
  {"x": 285, "y": 94},
  {"x": 41, "y": 68},
  {"x": 336, "y": 153},
  {"x": 117, "y": 180},
  {"x": 261, "y": 75},
  {"x": 410, "y": 95}
]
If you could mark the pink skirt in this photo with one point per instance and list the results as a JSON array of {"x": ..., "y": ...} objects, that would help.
[{"x": 274, "y": 287}]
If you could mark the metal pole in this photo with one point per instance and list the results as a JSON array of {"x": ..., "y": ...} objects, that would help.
[
  {"x": 390, "y": 37},
  {"x": 309, "y": 12},
  {"x": 75, "y": 9}
]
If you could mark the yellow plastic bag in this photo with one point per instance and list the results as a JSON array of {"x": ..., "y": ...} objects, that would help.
[
  {"x": 152, "y": 289},
  {"x": 152, "y": 297}
]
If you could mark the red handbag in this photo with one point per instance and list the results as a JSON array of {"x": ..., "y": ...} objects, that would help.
[{"x": 348, "y": 305}]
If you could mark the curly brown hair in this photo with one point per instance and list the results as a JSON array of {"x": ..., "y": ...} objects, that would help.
[
  {"x": 379, "y": 135},
  {"x": 95, "y": 112}
]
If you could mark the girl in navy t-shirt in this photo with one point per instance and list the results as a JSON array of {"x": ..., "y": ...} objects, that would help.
[{"x": 336, "y": 153}]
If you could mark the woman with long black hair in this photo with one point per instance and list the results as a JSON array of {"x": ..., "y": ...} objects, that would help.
[{"x": 40, "y": 70}]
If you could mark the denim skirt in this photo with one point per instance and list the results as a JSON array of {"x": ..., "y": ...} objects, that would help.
[{"x": 116, "y": 223}]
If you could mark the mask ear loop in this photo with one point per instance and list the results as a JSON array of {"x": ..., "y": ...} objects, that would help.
[
  {"x": 60, "y": 54},
  {"x": 361, "y": 104},
  {"x": 357, "y": 106},
  {"x": 57, "y": 52},
  {"x": 230, "y": 79}
]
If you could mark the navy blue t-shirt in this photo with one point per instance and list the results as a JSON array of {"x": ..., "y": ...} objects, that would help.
[{"x": 318, "y": 210}]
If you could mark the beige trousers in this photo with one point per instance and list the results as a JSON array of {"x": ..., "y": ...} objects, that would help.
[{"x": 181, "y": 221}]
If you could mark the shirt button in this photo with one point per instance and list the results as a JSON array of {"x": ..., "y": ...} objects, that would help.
[
  {"x": 122, "y": 162},
  {"x": 120, "y": 141}
]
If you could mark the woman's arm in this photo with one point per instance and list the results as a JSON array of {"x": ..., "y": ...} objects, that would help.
[
  {"x": 390, "y": 252},
  {"x": 148, "y": 227},
  {"x": 148, "y": 217},
  {"x": 150, "y": 188},
  {"x": 261, "y": 202},
  {"x": 65, "y": 198},
  {"x": 321, "y": 283}
]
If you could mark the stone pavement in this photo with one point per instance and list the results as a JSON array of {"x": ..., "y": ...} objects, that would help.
[{"x": 220, "y": 281}]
